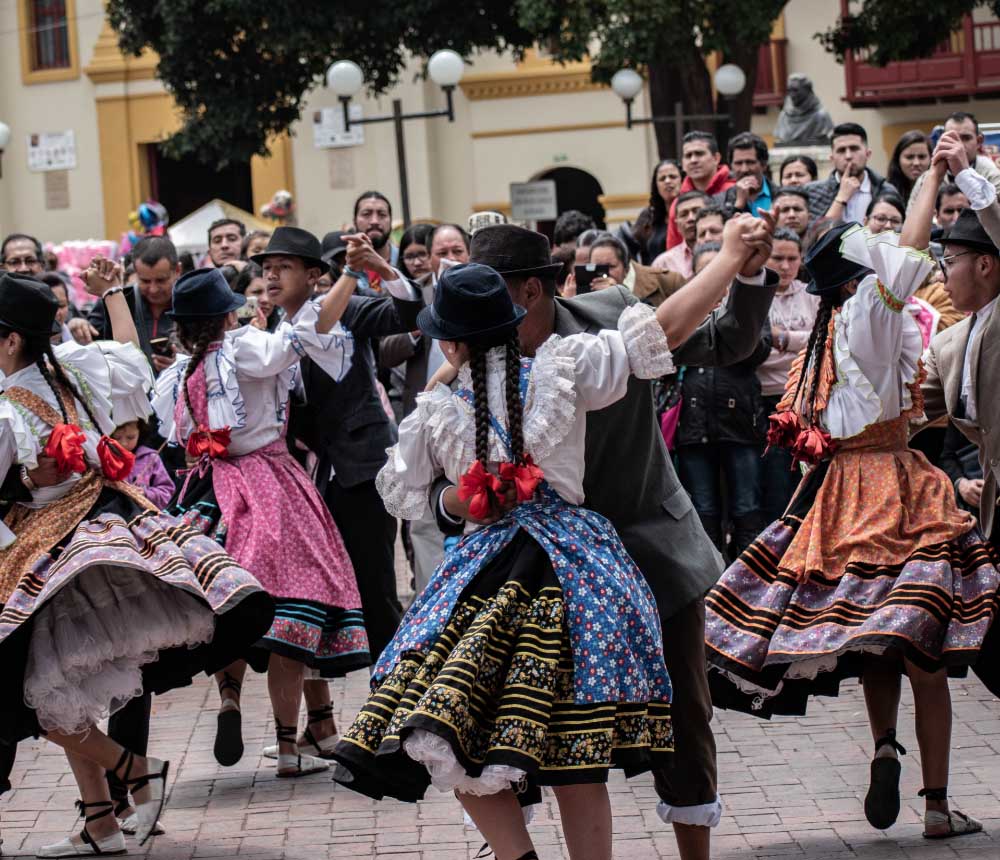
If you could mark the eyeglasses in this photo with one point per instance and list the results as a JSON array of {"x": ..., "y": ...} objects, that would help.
[
  {"x": 416, "y": 256},
  {"x": 947, "y": 261},
  {"x": 18, "y": 262},
  {"x": 887, "y": 219}
]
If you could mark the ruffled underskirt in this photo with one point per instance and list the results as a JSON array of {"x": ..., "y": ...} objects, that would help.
[{"x": 90, "y": 641}]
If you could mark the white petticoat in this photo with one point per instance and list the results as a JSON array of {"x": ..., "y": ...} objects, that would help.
[
  {"x": 91, "y": 639},
  {"x": 447, "y": 774}
]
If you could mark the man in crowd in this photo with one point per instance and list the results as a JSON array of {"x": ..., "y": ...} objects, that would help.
[
  {"x": 748, "y": 160},
  {"x": 447, "y": 242},
  {"x": 225, "y": 241},
  {"x": 700, "y": 158},
  {"x": 966, "y": 126},
  {"x": 846, "y": 193},
  {"x": 156, "y": 270},
  {"x": 568, "y": 228},
  {"x": 949, "y": 205},
  {"x": 373, "y": 217},
  {"x": 679, "y": 258},
  {"x": 656, "y": 521},
  {"x": 21, "y": 254},
  {"x": 708, "y": 224},
  {"x": 791, "y": 210}
]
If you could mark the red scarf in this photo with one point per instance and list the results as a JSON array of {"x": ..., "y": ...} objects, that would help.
[{"x": 722, "y": 181}]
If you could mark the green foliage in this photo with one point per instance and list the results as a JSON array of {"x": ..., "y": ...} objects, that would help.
[
  {"x": 240, "y": 69},
  {"x": 890, "y": 30}
]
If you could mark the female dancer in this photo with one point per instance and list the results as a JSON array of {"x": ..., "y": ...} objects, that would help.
[
  {"x": 873, "y": 569},
  {"x": 103, "y": 597},
  {"x": 227, "y": 402},
  {"x": 535, "y": 650}
]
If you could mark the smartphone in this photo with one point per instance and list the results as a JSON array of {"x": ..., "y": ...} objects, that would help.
[
  {"x": 161, "y": 346},
  {"x": 249, "y": 310},
  {"x": 587, "y": 273}
]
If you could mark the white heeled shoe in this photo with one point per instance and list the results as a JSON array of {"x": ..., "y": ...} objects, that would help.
[
  {"x": 147, "y": 814},
  {"x": 112, "y": 845}
]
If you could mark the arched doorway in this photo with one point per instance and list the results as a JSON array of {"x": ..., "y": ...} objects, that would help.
[{"x": 575, "y": 189}]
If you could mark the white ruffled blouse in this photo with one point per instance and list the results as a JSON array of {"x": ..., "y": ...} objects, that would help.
[
  {"x": 570, "y": 376},
  {"x": 877, "y": 341},
  {"x": 250, "y": 377},
  {"x": 117, "y": 379}
]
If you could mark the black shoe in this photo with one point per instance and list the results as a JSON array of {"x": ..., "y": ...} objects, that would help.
[
  {"x": 228, "y": 747},
  {"x": 882, "y": 800}
]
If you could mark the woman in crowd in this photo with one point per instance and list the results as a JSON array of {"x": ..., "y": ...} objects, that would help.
[
  {"x": 491, "y": 679},
  {"x": 91, "y": 616},
  {"x": 226, "y": 403},
  {"x": 415, "y": 253},
  {"x": 720, "y": 438},
  {"x": 873, "y": 571},
  {"x": 253, "y": 243},
  {"x": 251, "y": 284},
  {"x": 793, "y": 312},
  {"x": 797, "y": 170},
  {"x": 885, "y": 212},
  {"x": 910, "y": 158},
  {"x": 664, "y": 188}
]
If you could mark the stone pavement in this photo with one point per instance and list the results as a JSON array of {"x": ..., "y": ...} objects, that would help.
[{"x": 792, "y": 789}]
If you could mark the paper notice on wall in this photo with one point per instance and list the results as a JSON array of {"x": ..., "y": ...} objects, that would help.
[
  {"x": 341, "y": 162},
  {"x": 52, "y": 151},
  {"x": 328, "y": 128},
  {"x": 57, "y": 189}
]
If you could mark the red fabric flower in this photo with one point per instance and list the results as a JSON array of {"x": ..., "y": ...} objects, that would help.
[
  {"x": 214, "y": 443},
  {"x": 525, "y": 478},
  {"x": 784, "y": 430},
  {"x": 811, "y": 446},
  {"x": 480, "y": 487},
  {"x": 116, "y": 462},
  {"x": 65, "y": 446}
]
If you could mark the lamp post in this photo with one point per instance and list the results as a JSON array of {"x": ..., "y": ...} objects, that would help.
[
  {"x": 627, "y": 84},
  {"x": 345, "y": 78},
  {"x": 4, "y": 140}
]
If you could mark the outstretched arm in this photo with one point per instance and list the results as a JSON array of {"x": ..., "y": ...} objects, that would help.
[
  {"x": 917, "y": 226},
  {"x": 104, "y": 277}
]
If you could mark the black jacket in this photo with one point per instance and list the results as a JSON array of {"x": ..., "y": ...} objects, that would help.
[
  {"x": 823, "y": 192},
  {"x": 344, "y": 423},
  {"x": 724, "y": 404}
]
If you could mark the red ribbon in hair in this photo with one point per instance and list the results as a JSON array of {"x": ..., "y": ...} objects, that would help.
[
  {"x": 65, "y": 446},
  {"x": 116, "y": 461},
  {"x": 213, "y": 443},
  {"x": 783, "y": 431},
  {"x": 811, "y": 446},
  {"x": 525, "y": 478},
  {"x": 479, "y": 487}
]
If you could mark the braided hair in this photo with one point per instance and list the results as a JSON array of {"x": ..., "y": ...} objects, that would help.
[
  {"x": 813, "y": 362},
  {"x": 196, "y": 335},
  {"x": 515, "y": 409},
  {"x": 477, "y": 366}
]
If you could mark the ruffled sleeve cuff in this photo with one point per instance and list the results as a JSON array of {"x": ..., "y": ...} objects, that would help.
[
  {"x": 401, "y": 500},
  {"x": 978, "y": 189},
  {"x": 899, "y": 270},
  {"x": 332, "y": 351},
  {"x": 645, "y": 342},
  {"x": 131, "y": 381}
]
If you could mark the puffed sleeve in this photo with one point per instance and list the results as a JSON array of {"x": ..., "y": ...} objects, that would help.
[
  {"x": 17, "y": 445},
  {"x": 166, "y": 390},
  {"x": 261, "y": 354},
  {"x": 116, "y": 377},
  {"x": 405, "y": 480},
  {"x": 603, "y": 362}
]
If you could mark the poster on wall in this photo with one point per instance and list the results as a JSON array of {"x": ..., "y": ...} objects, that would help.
[
  {"x": 328, "y": 128},
  {"x": 52, "y": 150}
]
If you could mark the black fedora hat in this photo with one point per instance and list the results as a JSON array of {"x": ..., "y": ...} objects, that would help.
[
  {"x": 968, "y": 232},
  {"x": 333, "y": 244},
  {"x": 513, "y": 250},
  {"x": 27, "y": 306},
  {"x": 471, "y": 304},
  {"x": 829, "y": 269},
  {"x": 203, "y": 293},
  {"x": 294, "y": 242}
]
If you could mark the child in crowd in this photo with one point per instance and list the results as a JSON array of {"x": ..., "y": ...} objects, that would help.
[{"x": 149, "y": 474}]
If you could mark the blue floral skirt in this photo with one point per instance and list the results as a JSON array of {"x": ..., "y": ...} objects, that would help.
[{"x": 492, "y": 698}]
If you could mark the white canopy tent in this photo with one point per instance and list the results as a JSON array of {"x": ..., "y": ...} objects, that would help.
[{"x": 191, "y": 232}]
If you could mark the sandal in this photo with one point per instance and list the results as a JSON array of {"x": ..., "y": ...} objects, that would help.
[
  {"x": 290, "y": 766},
  {"x": 112, "y": 845},
  {"x": 146, "y": 814},
  {"x": 228, "y": 747},
  {"x": 320, "y": 748},
  {"x": 882, "y": 800},
  {"x": 959, "y": 824}
]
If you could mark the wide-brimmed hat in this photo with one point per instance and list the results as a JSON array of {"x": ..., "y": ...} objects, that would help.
[
  {"x": 27, "y": 306},
  {"x": 203, "y": 293},
  {"x": 512, "y": 250},
  {"x": 471, "y": 304},
  {"x": 829, "y": 269},
  {"x": 333, "y": 244},
  {"x": 968, "y": 232},
  {"x": 294, "y": 242}
]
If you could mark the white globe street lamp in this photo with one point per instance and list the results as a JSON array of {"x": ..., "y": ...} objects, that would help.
[
  {"x": 345, "y": 78},
  {"x": 730, "y": 80},
  {"x": 627, "y": 84},
  {"x": 446, "y": 68}
]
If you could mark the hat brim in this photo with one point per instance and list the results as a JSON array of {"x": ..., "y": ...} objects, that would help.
[
  {"x": 436, "y": 328},
  {"x": 550, "y": 269},
  {"x": 975, "y": 245},
  {"x": 310, "y": 262},
  {"x": 238, "y": 301},
  {"x": 815, "y": 289},
  {"x": 51, "y": 330}
]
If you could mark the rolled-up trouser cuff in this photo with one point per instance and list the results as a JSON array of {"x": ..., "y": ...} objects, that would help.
[{"x": 705, "y": 815}]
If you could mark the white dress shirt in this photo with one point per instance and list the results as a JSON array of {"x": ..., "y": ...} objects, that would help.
[
  {"x": 857, "y": 206},
  {"x": 968, "y": 391}
]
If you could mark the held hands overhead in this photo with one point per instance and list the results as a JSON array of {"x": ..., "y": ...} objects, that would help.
[
  {"x": 102, "y": 275},
  {"x": 949, "y": 155},
  {"x": 749, "y": 239}
]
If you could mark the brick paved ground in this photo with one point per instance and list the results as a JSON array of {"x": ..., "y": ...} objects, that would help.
[{"x": 792, "y": 789}]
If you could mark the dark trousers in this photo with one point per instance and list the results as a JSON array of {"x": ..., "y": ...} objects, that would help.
[
  {"x": 778, "y": 479},
  {"x": 702, "y": 467},
  {"x": 130, "y": 728},
  {"x": 369, "y": 534}
]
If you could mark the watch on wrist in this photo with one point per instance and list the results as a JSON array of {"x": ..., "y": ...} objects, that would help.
[
  {"x": 112, "y": 291},
  {"x": 353, "y": 273}
]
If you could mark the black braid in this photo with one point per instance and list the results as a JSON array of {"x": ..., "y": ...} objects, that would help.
[
  {"x": 196, "y": 336},
  {"x": 477, "y": 364},
  {"x": 813, "y": 361},
  {"x": 515, "y": 409},
  {"x": 57, "y": 379}
]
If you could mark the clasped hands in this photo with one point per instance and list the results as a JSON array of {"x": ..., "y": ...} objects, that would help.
[{"x": 749, "y": 239}]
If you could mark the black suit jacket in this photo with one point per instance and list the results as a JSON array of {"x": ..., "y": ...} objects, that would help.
[{"x": 344, "y": 423}]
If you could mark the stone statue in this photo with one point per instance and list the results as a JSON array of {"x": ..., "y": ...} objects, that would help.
[{"x": 802, "y": 121}]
